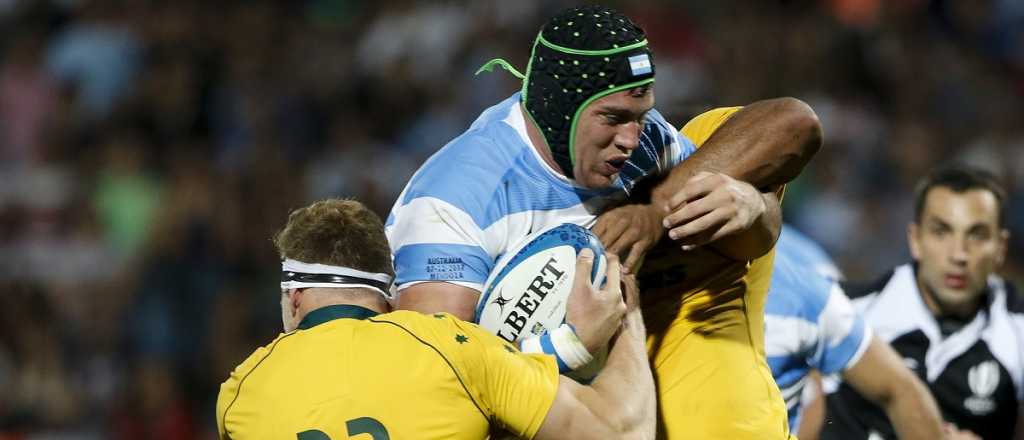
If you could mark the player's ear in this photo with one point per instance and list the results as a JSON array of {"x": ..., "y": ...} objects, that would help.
[
  {"x": 912, "y": 235},
  {"x": 1004, "y": 240},
  {"x": 296, "y": 299}
]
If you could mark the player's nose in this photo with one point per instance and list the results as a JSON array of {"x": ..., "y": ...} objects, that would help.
[
  {"x": 959, "y": 254},
  {"x": 628, "y": 136}
]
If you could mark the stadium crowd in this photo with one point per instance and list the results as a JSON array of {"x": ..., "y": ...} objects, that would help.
[{"x": 148, "y": 151}]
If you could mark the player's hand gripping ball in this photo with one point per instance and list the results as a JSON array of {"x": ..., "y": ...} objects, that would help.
[{"x": 527, "y": 291}]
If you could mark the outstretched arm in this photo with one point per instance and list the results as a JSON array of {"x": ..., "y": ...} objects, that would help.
[{"x": 881, "y": 377}]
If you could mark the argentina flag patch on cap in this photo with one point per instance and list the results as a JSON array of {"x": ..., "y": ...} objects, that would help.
[{"x": 640, "y": 64}]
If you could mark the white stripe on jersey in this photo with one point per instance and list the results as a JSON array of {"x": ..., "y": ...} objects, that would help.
[
  {"x": 788, "y": 335},
  {"x": 794, "y": 392},
  {"x": 489, "y": 188},
  {"x": 837, "y": 318},
  {"x": 458, "y": 227}
]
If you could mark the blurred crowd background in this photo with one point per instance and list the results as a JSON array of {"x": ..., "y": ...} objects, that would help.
[{"x": 149, "y": 149}]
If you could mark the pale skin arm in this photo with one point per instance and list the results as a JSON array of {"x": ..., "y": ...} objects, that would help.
[
  {"x": 954, "y": 433},
  {"x": 438, "y": 296},
  {"x": 881, "y": 377},
  {"x": 813, "y": 411},
  {"x": 766, "y": 144},
  {"x": 620, "y": 403}
]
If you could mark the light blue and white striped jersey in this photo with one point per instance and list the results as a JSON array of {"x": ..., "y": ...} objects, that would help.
[
  {"x": 809, "y": 321},
  {"x": 489, "y": 188},
  {"x": 808, "y": 253}
]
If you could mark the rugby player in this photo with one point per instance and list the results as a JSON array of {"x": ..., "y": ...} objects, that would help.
[
  {"x": 575, "y": 142},
  {"x": 810, "y": 324},
  {"x": 345, "y": 367}
]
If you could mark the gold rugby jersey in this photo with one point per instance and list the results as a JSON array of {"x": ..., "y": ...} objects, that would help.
[
  {"x": 347, "y": 371},
  {"x": 705, "y": 325}
]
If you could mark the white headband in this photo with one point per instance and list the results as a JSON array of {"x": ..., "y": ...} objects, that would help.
[{"x": 324, "y": 275}]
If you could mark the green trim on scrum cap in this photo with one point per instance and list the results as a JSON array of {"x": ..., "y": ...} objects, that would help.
[
  {"x": 565, "y": 138},
  {"x": 526, "y": 78},
  {"x": 489, "y": 67},
  {"x": 535, "y": 124},
  {"x": 553, "y": 46},
  {"x": 579, "y": 111},
  {"x": 526, "y": 84}
]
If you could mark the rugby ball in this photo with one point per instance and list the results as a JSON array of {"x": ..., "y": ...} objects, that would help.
[{"x": 527, "y": 291}]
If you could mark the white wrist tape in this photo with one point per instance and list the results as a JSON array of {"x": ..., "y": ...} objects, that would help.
[{"x": 563, "y": 344}]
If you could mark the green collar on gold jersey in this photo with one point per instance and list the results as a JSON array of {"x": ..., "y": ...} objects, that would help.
[{"x": 330, "y": 313}]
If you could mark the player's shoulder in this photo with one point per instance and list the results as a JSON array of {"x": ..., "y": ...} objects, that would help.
[
  {"x": 806, "y": 251},
  {"x": 231, "y": 388},
  {"x": 796, "y": 289},
  {"x": 1014, "y": 298},
  {"x": 700, "y": 128},
  {"x": 257, "y": 358},
  {"x": 415, "y": 323},
  {"x": 713, "y": 116},
  {"x": 450, "y": 336},
  {"x": 425, "y": 325},
  {"x": 473, "y": 156},
  {"x": 482, "y": 154}
]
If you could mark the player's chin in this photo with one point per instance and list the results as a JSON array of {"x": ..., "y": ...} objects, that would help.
[
  {"x": 598, "y": 180},
  {"x": 954, "y": 298}
]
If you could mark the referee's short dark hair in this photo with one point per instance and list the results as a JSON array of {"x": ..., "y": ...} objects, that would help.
[{"x": 959, "y": 179}]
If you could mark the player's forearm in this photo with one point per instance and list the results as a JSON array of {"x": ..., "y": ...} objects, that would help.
[
  {"x": 759, "y": 238},
  {"x": 437, "y": 297},
  {"x": 626, "y": 386},
  {"x": 881, "y": 377},
  {"x": 913, "y": 412},
  {"x": 766, "y": 144}
]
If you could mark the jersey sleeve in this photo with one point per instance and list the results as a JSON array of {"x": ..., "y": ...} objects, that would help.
[
  {"x": 701, "y": 127},
  {"x": 433, "y": 240},
  {"x": 445, "y": 225},
  {"x": 844, "y": 337},
  {"x": 228, "y": 390},
  {"x": 228, "y": 393},
  {"x": 516, "y": 388},
  {"x": 670, "y": 144}
]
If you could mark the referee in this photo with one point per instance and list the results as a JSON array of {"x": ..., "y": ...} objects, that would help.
[{"x": 957, "y": 324}]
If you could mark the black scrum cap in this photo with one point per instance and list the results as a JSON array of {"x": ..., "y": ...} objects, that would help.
[{"x": 580, "y": 55}]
